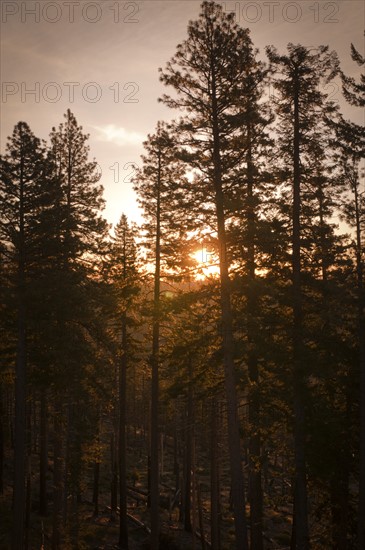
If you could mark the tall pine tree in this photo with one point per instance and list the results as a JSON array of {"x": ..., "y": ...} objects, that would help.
[{"x": 300, "y": 107}]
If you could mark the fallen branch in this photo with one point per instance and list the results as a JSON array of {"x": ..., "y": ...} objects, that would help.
[{"x": 139, "y": 523}]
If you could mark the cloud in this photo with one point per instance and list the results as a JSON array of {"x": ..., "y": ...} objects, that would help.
[{"x": 119, "y": 135}]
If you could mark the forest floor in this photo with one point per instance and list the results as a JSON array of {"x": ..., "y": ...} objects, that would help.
[
  {"x": 101, "y": 532},
  {"x": 90, "y": 531}
]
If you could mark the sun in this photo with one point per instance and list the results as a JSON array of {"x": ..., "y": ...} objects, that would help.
[{"x": 206, "y": 262}]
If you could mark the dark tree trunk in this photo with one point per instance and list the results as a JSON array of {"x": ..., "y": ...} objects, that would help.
[
  {"x": 255, "y": 466},
  {"x": 200, "y": 515},
  {"x": 123, "y": 526},
  {"x": 96, "y": 488},
  {"x": 214, "y": 480},
  {"x": 154, "y": 493},
  {"x": 361, "y": 329},
  {"x": 66, "y": 464},
  {"x": 2, "y": 445},
  {"x": 149, "y": 479},
  {"x": 188, "y": 457},
  {"x": 34, "y": 426},
  {"x": 20, "y": 387},
  {"x": 339, "y": 487},
  {"x": 176, "y": 457},
  {"x": 339, "y": 509},
  {"x": 193, "y": 490},
  {"x": 234, "y": 446},
  {"x": 300, "y": 538},
  {"x": 361, "y": 513},
  {"x": 75, "y": 522},
  {"x": 30, "y": 437},
  {"x": 58, "y": 475},
  {"x": 27, "y": 503},
  {"x": 114, "y": 476},
  {"x": 43, "y": 456}
]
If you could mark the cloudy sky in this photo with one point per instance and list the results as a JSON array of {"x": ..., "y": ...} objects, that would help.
[{"x": 101, "y": 59}]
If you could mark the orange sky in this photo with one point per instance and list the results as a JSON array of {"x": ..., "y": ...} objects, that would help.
[{"x": 101, "y": 58}]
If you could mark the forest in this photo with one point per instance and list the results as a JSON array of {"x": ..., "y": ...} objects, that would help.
[{"x": 197, "y": 380}]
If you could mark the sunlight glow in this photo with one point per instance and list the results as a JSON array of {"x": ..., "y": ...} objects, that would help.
[{"x": 207, "y": 263}]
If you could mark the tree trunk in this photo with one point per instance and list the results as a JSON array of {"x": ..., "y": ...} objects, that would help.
[
  {"x": 361, "y": 336},
  {"x": 255, "y": 466},
  {"x": 58, "y": 475},
  {"x": 154, "y": 494},
  {"x": 193, "y": 487},
  {"x": 20, "y": 387},
  {"x": 176, "y": 456},
  {"x": 43, "y": 456},
  {"x": 339, "y": 509},
  {"x": 123, "y": 527},
  {"x": 214, "y": 480},
  {"x": 234, "y": 446},
  {"x": 200, "y": 515},
  {"x": 2, "y": 446},
  {"x": 300, "y": 538},
  {"x": 28, "y": 459},
  {"x": 96, "y": 488},
  {"x": 339, "y": 485},
  {"x": 66, "y": 464},
  {"x": 27, "y": 503},
  {"x": 75, "y": 522},
  {"x": 188, "y": 458},
  {"x": 114, "y": 477},
  {"x": 361, "y": 513}
]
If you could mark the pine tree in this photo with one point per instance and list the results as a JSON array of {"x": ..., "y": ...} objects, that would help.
[
  {"x": 24, "y": 172},
  {"x": 81, "y": 231},
  {"x": 353, "y": 91},
  {"x": 244, "y": 239},
  {"x": 208, "y": 72},
  {"x": 124, "y": 276},
  {"x": 300, "y": 107},
  {"x": 157, "y": 185},
  {"x": 354, "y": 138},
  {"x": 82, "y": 225}
]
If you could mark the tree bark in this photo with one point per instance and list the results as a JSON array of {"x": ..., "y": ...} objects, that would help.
[
  {"x": 193, "y": 491},
  {"x": 154, "y": 494},
  {"x": 66, "y": 464},
  {"x": 214, "y": 480},
  {"x": 339, "y": 484},
  {"x": 176, "y": 455},
  {"x": 43, "y": 456},
  {"x": 114, "y": 476},
  {"x": 58, "y": 475},
  {"x": 20, "y": 386},
  {"x": 2, "y": 445},
  {"x": 361, "y": 337},
  {"x": 188, "y": 457},
  {"x": 237, "y": 480},
  {"x": 27, "y": 503},
  {"x": 96, "y": 488},
  {"x": 123, "y": 527},
  {"x": 200, "y": 515},
  {"x": 255, "y": 466},
  {"x": 300, "y": 535},
  {"x": 339, "y": 509}
]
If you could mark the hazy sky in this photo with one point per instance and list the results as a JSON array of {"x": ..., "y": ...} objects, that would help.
[{"x": 101, "y": 59}]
